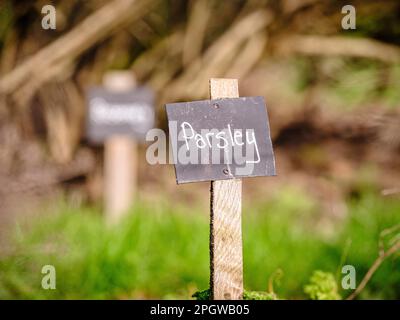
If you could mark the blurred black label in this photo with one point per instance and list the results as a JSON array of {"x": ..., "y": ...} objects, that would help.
[{"x": 128, "y": 113}]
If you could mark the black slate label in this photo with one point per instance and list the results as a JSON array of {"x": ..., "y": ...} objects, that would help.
[{"x": 220, "y": 139}]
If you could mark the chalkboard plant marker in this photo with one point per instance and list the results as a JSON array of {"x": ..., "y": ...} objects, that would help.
[
  {"x": 226, "y": 253},
  {"x": 120, "y": 158},
  {"x": 232, "y": 122}
]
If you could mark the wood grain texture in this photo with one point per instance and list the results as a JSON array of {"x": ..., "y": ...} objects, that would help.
[
  {"x": 226, "y": 253},
  {"x": 120, "y": 159}
]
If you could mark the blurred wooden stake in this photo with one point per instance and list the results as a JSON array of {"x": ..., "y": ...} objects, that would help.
[
  {"x": 226, "y": 272},
  {"x": 120, "y": 159}
]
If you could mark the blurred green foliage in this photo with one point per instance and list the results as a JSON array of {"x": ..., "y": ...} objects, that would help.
[
  {"x": 247, "y": 295},
  {"x": 346, "y": 84},
  {"x": 322, "y": 286},
  {"x": 162, "y": 252},
  {"x": 6, "y": 19}
]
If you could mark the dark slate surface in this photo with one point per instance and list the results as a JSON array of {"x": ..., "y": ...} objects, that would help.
[{"x": 245, "y": 113}]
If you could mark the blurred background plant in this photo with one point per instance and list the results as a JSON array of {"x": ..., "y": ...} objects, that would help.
[
  {"x": 333, "y": 101},
  {"x": 322, "y": 286},
  {"x": 161, "y": 251}
]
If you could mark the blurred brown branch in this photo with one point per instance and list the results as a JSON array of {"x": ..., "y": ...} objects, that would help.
[
  {"x": 195, "y": 30},
  {"x": 387, "y": 192},
  {"x": 338, "y": 45},
  {"x": 35, "y": 70},
  {"x": 217, "y": 59},
  {"x": 383, "y": 255}
]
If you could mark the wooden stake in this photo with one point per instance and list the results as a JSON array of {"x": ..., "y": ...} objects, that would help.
[
  {"x": 226, "y": 270},
  {"x": 120, "y": 159}
]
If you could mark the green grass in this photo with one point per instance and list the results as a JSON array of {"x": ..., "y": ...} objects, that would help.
[
  {"x": 346, "y": 84},
  {"x": 161, "y": 251},
  {"x": 282, "y": 236}
]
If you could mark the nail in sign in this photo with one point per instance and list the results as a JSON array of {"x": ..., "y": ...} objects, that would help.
[
  {"x": 128, "y": 113},
  {"x": 220, "y": 139}
]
